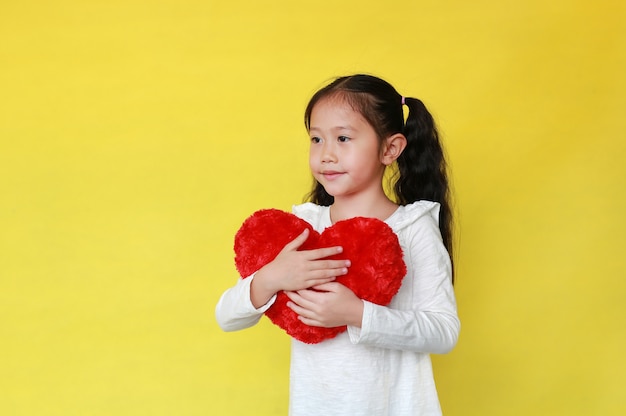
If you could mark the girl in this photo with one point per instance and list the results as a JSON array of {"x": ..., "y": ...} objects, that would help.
[{"x": 381, "y": 364}]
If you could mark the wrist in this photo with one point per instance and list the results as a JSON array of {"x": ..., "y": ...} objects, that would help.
[
  {"x": 260, "y": 291},
  {"x": 357, "y": 314}
]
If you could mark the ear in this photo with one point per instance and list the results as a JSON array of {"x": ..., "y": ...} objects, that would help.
[{"x": 392, "y": 148}]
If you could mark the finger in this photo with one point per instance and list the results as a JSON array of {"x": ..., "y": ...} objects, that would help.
[
  {"x": 330, "y": 264},
  {"x": 295, "y": 298},
  {"x": 314, "y": 283},
  {"x": 305, "y": 299},
  {"x": 299, "y": 310},
  {"x": 325, "y": 275},
  {"x": 291, "y": 295},
  {"x": 327, "y": 287},
  {"x": 297, "y": 242},
  {"x": 320, "y": 253},
  {"x": 310, "y": 321}
]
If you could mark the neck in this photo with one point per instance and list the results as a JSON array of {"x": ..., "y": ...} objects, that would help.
[{"x": 372, "y": 206}]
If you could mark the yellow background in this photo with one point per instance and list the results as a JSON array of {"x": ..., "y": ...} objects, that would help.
[{"x": 136, "y": 136}]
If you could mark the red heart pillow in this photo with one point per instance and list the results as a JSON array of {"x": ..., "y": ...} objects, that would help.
[{"x": 371, "y": 246}]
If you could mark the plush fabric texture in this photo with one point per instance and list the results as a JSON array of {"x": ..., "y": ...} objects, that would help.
[{"x": 372, "y": 247}]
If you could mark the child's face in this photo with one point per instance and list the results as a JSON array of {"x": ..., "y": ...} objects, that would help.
[{"x": 345, "y": 153}]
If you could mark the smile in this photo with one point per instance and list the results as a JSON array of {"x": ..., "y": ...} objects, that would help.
[{"x": 331, "y": 175}]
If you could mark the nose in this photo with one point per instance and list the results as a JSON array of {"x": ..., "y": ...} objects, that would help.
[{"x": 328, "y": 152}]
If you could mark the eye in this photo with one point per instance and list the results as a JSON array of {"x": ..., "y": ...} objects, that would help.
[
  {"x": 343, "y": 139},
  {"x": 315, "y": 139}
]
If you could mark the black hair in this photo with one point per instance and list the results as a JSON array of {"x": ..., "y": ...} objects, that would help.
[{"x": 421, "y": 172}]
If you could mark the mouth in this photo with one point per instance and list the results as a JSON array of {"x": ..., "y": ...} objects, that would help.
[{"x": 331, "y": 174}]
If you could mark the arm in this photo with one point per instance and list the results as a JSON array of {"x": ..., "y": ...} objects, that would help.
[
  {"x": 422, "y": 317},
  {"x": 235, "y": 310}
]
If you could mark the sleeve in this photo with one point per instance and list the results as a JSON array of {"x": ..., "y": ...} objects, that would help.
[
  {"x": 234, "y": 310},
  {"x": 423, "y": 316}
]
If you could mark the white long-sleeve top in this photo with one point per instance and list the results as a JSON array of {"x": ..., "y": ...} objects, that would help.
[{"x": 384, "y": 367}]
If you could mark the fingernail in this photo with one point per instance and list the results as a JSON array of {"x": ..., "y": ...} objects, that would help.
[
  {"x": 339, "y": 249},
  {"x": 348, "y": 264}
]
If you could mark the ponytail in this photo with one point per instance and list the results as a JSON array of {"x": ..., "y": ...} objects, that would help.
[{"x": 422, "y": 168}]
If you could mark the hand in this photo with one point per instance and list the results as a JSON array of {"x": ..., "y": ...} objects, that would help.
[
  {"x": 329, "y": 305},
  {"x": 296, "y": 270}
]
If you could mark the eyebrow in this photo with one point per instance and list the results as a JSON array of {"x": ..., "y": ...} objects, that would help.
[{"x": 350, "y": 128}]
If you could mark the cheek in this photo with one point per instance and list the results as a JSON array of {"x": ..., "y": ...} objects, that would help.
[{"x": 312, "y": 160}]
